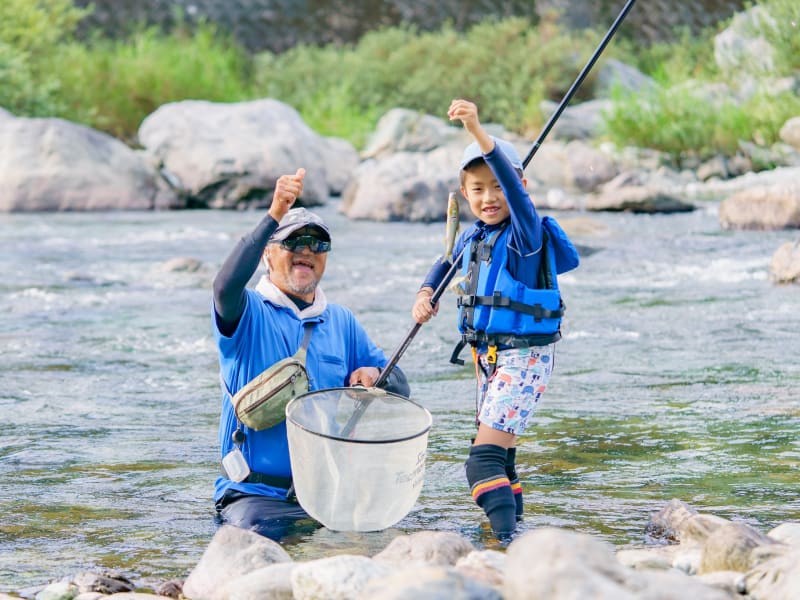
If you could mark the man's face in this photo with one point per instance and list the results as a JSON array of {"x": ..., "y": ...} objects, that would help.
[{"x": 297, "y": 272}]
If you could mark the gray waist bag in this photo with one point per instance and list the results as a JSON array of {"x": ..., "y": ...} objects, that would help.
[{"x": 261, "y": 403}]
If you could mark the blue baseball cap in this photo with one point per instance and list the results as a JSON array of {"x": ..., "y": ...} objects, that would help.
[{"x": 473, "y": 151}]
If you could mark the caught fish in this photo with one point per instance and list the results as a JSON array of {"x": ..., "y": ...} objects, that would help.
[{"x": 453, "y": 223}]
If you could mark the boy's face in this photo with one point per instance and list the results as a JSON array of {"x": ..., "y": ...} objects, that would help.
[{"x": 484, "y": 194}]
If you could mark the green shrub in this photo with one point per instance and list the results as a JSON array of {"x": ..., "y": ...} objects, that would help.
[
  {"x": 30, "y": 34},
  {"x": 113, "y": 85},
  {"x": 507, "y": 67}
]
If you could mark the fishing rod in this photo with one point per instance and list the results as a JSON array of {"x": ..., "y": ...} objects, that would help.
[{"x": 437, "y": 294}]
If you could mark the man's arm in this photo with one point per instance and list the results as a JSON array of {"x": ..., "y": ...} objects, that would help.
[
  {"x": 236, "y": 271},
  {"x": 238, "y": 268}
]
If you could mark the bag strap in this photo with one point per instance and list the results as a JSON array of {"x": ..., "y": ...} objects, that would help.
[{"x": 308, "y": 329}]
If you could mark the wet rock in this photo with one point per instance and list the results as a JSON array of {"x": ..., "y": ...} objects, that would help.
[
  {"x": 232, "y": 552},
  {"x": 787, "y": 533},
  {"x": 697, "y": 529},
  {"x": 430, "y": 547},
  {"x": 182, "y": 264},
  {"x": 762, "y": 208},
  {"x": 729, "y": 548},
  {"x": 486, "y": 566},
  {"x": 775, "y": 579},
  {"x": 273, "y": 582},
  {"x": 106, "y": 582},
  {"x": 171, "y": 589},
  {"x": 667, "y": 523},
  {"x": 343, "y": 576},
  {"x": 428, "y": 583},
  {"x": 784, "y": 267},
  {"x": 60, "y": 590}
]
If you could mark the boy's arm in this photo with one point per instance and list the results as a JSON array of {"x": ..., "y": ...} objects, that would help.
[{"x": 526, "y": 225}]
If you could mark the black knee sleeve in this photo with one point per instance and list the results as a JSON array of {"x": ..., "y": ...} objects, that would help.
[
  {"x": 491, "y": 488},
  {"x": 513, "y": 478}
]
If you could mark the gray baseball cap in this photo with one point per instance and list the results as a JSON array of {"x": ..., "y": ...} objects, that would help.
[
  {"x": 295, "y": 219},
  {"x": 473, "y": 151}
]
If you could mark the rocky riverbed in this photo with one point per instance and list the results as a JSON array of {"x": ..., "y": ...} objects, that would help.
[{"x": 688, "y": 555}]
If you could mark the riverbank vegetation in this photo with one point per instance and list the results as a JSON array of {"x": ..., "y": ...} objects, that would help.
[{"x": 507, "y": 66}]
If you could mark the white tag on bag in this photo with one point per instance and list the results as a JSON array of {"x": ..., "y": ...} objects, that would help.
[{"x": 235, "y": 465}]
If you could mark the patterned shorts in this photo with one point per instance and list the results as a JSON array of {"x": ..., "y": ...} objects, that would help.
[{"x": 509, "y": 396}]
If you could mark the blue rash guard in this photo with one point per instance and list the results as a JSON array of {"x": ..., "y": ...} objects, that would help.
[
  {"x": 525, "y": 239},
  {"x": 267, "y": 333}
]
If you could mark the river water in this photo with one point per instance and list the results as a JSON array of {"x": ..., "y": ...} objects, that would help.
[{"x": 677, "y": 378}]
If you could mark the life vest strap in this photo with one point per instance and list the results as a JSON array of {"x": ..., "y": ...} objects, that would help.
[
  {"x": 501, "y": 340},
  {"x": 497, "y": 300}
]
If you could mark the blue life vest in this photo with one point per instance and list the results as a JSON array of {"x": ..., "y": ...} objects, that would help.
[{"x": 496, "y": 309}]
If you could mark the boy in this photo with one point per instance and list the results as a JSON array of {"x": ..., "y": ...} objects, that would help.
[{"x": 509, "y": 310}]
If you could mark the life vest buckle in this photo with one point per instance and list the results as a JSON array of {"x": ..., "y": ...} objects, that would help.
[{"x": 491, "y": 355}]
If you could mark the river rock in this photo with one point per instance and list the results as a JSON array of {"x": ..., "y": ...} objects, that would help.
[
  {"x": 787, "y": 533},
  {"x": 406, "y": 186},
  {"x": 429, "y": 547},
  {"x": 575, "y": 565},
  {"x": 428, "y": 583},
  {"x": 336, "y": 577},
  {"x": 762, "y": 208},
  {"x": 55, "y": 165},
  {"x": 231, "y": 553},
  {"x": 614, "y": 74},
  {"x": 775, "y": 579},
  {"x": 696, "y": 529},
  {"x": 404, "y": 130},
  {"x": 581, "y": 121},
  {"x": 230, "y": 155},
  {"x": 487, "y": 566},
  {"x": 341, "y": 160},
  {"x": 784, "y": 267},
  {"x": 790, "y": 132},
  {"x": 627, "y": 192},
  {"x": 273, "y": 582},
  {"x": 729, "y": 548},
  {"x": 106, "y": 582},
  {"x": 667, "y": 523}
]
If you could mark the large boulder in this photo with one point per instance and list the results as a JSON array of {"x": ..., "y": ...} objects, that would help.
[
  {"x": 230, "y": 155},
  {"x": 55, "y": 165},
  {"x": 762, "y": 208}
]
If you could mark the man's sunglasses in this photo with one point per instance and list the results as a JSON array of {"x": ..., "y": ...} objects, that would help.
[{"x": 296, "y": 244}]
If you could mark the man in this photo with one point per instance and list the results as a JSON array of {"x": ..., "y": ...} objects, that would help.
[{"x": 254, "y": 329}]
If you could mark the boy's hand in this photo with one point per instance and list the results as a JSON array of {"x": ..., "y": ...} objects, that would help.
[
  {"x": 466, "y": 112},
  {"x": 422, "y": 310},
  {"x": 287, "y": 190}
]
